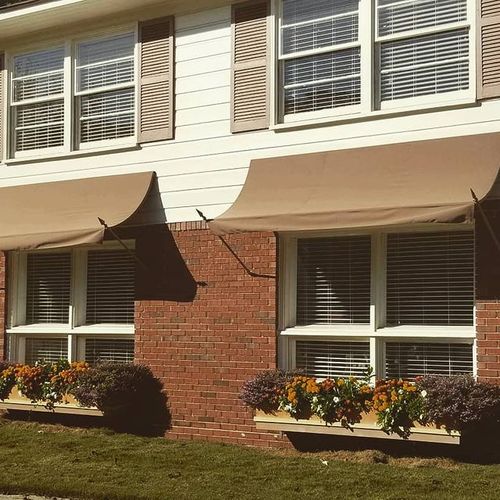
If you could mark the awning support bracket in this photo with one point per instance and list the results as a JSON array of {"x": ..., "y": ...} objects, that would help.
[
  {"x": 123, "y": 244},
  {"x": 251, "y": 273},
  {"x": 486, "y": 220}
]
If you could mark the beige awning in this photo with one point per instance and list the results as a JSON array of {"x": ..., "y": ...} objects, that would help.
[
  {"x": 59, "y": 214},
  {"x": 426, "y": 181}
]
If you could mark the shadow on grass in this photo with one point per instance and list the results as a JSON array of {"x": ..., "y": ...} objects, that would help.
[{"x": 481, "y": 446}]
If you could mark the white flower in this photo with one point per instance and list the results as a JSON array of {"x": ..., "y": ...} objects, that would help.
[
  {"x": 424, "y": 393},
  {"x": 336, "y": 399}
]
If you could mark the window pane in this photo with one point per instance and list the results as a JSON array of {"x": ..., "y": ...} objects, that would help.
[
  {"x": 302, "y": 11},
  {"x": 38, "y": 74},
  {"x": 49, "y": 350},
  {"x": 425, "y": 65},
  {"x": 333, "y": 280},
  {"x": 322, "y": 82},
  {"x": 110, "y": 287},
  {"x": 332, "y": 359},
  {"x": 109, "y": 350},
  {"x": 408, "y": 361},
  {"x": 403, "y": 15},
  {"x": 39, "y": 126},
  {"x": 321, "y": 32},
  {"x": 106, "y": 116},
  {"x": 107, "y": 62},
  {"x": 38, "y": 87},
  {"x": 48, "y": 288},
  {"x": 430, "y": 279}
]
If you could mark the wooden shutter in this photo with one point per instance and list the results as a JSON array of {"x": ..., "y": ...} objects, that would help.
[
  {"x": 430, "y": 278},
  {"x": 110, "y": 287},
  {"x": 156, "y": 101},
  {"x": 333, "y": 280},
  {"x": 319, "y": 358},
  {"x": 48, "y": 288},
  {"x": 3, "y": 139},
  {"x": 411, "y": 360},
  {"x": 488, "y": 72},
  {"x": 250, "y": 67}
]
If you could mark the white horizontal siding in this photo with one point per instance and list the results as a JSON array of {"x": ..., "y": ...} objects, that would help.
[{"x": 205, "y": 166}]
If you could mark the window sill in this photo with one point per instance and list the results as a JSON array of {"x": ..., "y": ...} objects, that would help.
[
  {"x": 74, "y": 154},
  {"x": 373, "y": 115},
  {"x": 102, "y": 329},
  {"x": 395, "y": 332}
]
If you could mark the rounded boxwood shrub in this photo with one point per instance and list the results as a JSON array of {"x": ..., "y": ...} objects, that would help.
[{"x": 129, "y": 395}]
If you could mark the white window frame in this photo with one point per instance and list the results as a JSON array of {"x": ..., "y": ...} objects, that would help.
[
  {"x": 375, "y": 332},
  {"x": 75, "y": 330},
  {"x": 370, "y": 63},
  {"x": 71, "y": 116}
]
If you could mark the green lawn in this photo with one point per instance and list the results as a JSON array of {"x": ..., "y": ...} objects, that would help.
[{"x": 76, "y": 463}]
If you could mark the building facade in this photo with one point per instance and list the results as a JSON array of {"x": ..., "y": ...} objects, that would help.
[{"x": 335, "y": 144}]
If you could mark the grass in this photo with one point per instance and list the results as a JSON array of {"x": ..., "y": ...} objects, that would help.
[{"x": 98, "y": 464}]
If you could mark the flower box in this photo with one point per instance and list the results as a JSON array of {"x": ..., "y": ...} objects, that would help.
[
  {"x": 282, "y": 422},
  {"x": 17, "y": 401}
]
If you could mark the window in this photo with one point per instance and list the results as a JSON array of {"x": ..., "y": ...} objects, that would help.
[
  {"x": 340, "y": 57},
  {"x": 402, "y": 303},
  {"x": 50, "y": 114},
  {"x": 76, "y": 304}
]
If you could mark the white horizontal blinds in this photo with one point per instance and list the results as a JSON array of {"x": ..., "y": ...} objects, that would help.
[
  {"x": 37, "y": 99},
  {"x": 48, "y": 287},
  {"x": 411, "y": 360},
  {"x": 321, "y": 58},
  {"x": 408, "y": 15},
  {"x": 109, "y": 350},
  {"x": 430, "y": 278},
  {"x": 105, "y": 85},
  {"x": 110, "y": 287},
  {"x": 416, "y": 63},
  {"x": 325, "y": 359},
  {"x": 333, "y": 280},
  {"x": 431, "y": 64},
  {"x": 41, "y": 349},
  {"x": 488, "y": 34}
]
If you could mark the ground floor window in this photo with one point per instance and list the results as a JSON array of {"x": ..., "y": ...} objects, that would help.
[
  {"x": 399, "y": 301},
  {"x": 75, "y": 304}
]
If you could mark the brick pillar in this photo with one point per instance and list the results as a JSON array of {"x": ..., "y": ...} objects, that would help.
[
  {"x": 205, "y": 326},
  {"x": 488, "y": 295}
]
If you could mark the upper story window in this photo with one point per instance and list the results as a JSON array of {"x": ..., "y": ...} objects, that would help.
[
  {"x": 346, "y": 57},
  {"x": 73, "y": 96}
]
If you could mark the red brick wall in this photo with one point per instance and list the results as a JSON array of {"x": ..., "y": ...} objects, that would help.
[
  {"x": 488, "y": 295},
  {"x": 205, "y": 326}
]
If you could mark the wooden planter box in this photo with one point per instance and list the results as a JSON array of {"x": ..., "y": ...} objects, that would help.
[
  {"x": 17, "y": 401},
  {"x": 367, "y": 428}
]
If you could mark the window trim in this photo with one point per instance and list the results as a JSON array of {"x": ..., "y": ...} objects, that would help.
[
  {"x": 71, "y": 143},
  {"x": 378, "y": 336},
  {"x": 370, "y": 106}
]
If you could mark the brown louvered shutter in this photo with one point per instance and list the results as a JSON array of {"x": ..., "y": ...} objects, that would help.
[
  {"x": 489, "y": 49},
  {"x": 2, "y": 115},
  {"x": 156, "y": 102},
  {"x": 250, "y": 67}
]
